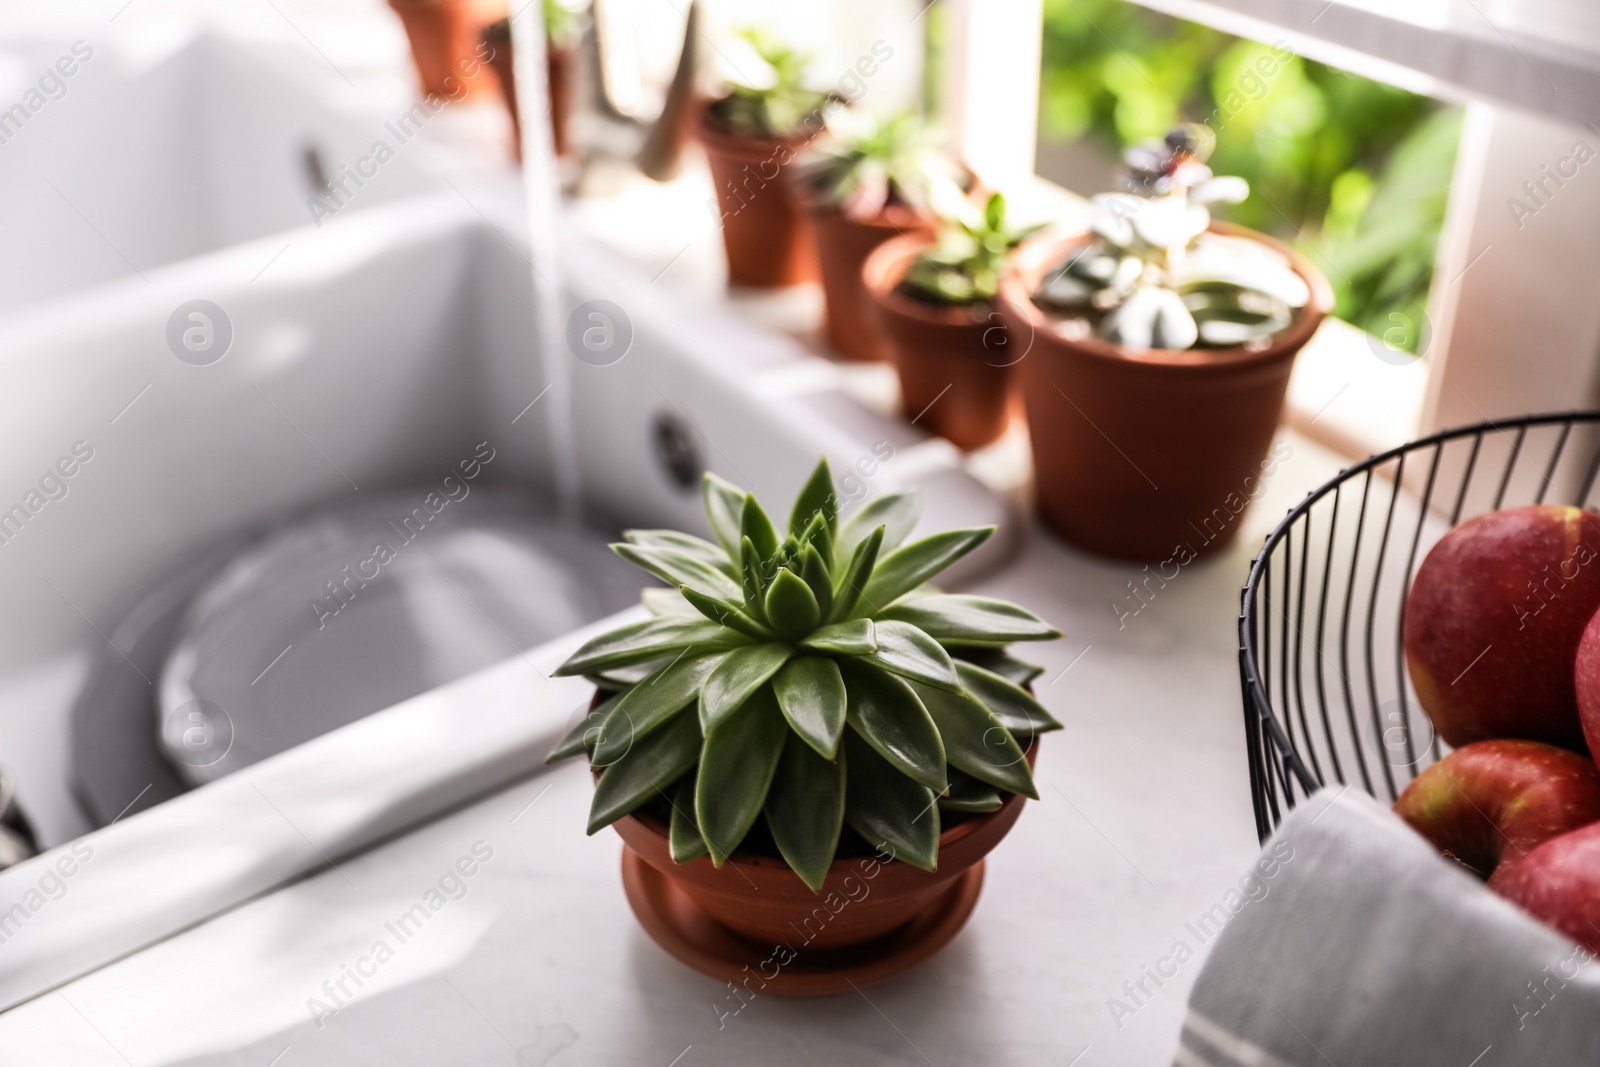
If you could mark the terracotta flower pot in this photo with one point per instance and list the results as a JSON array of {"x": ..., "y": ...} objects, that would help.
[
  {"x": 955, "y": 365},
  {"x": 1148, "y": 454},
  {"x": 753, "y": 919},
  {"x": 560, "y": 72},
  {"x": 766, "y": 230},
  {"x": 446, "y": 38},
  {"x": 843, "y": 245}
]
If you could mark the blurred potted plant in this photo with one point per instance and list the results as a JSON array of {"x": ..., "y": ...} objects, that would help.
[
  {"x": 447, "y": 42},
  {"x": 1161, "y": 345},
  {"x": 935, "y": 304},
  {"x": 869, "y": 179},
  {"x": 801, "y": 707},
  {"x": 752, "y": 136},
  {"x": 563, "y": 32}
]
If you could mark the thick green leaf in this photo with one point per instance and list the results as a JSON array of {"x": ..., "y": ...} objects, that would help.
[
  {"x": 741, "y": 673},
  {"x": 981, "y": 620},
  {"x": 752, "y": 579},
  {"x": 805, "y": 810},
  {"x": 660, "y": 601},
  {"x": 811, "y": 693},
  {"x": 855, "y": 577},
  {"x": 650, "y": 766},
  {"x": 683, "y": 836},
  {"x": 725, "y": 614},
  {"x": 650, "y": 704},
  {"x": 1016, "y": 710},
  {"x": 907, "y": 651},
  {"x": 816, "y": 498},
  {"x": 885, "y": 711},
  {"x": 724, "y": 509},
  {"x": 736, "y": 768},
  {"x": 858, "y": 637},
  {"x": 792, "y": 610},
  {"x": 906, "y": 568},
  {"x": 822, "y": 541},
  {"x": 680, "y": 568},
  {"x": 889, "y": 810},
  {"x": 816, "y": 575},
  {"x": 688, "y": 544},
  {"x": 896, "y": 512},
  {"x": 637, "y": 642},
  {"x": 583, "y": 733},
  {"x": 755, "y": 524},
  {"x": 969, "y": 796},
  {"x": 976, "y": 743},
  {"x": 1013, "y": 670}
]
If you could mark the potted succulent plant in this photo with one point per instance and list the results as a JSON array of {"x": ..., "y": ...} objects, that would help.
[
  {"x": 752, "y": 137},
  {"x": 563, "y": 30},
  {"x": 446, "y": 42},
  {"x": 1160, "y": 346},
  {"x": 869, "y": 179},
  {"x": 806, "y": 745},
  {"x": 935, "y": 304}
]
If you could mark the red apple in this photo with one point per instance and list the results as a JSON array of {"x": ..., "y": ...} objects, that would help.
[
  {"x": 1586, "y": 679},
  {"x": 1492, "y": 803},
  {"x": 1493, "y": 621},
  {"x": 1559, "y": 884}
]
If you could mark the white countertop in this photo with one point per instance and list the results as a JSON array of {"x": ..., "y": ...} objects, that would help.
[{"x": 1144, "y": 824}]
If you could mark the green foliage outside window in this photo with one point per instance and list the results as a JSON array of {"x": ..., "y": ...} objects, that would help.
[{"x": 1352, "y": 172}]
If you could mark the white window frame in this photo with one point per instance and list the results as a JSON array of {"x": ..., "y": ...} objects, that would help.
[{"x": 1514, "y": 313}]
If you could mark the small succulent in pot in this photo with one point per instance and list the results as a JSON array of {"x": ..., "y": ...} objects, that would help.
[
  {"x": 794, "y": 684},
  {"x": 1154, "y": 275},
  {"x": 965, "y": 264},
  {"x": 768, "y": 95},
  {"x": 868, "y": 162}
]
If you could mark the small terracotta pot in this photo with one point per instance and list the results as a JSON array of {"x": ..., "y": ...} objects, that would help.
[
  {"x": 445, "y": 39},
  {"x": 560, "y": 72},
  {"x": 843, "y": 245},
  {"x": 1148, "y": 454},
  {"x": 872, "y": 918},
  {"x": 955, "y": 363},
  {"x": 765, "y": 229}
]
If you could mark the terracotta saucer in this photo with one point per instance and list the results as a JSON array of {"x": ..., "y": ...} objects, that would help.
[{"x": 678, "y": 925}]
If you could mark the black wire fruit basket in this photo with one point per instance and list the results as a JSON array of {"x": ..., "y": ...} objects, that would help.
[{"x": 1327, "y": 700}]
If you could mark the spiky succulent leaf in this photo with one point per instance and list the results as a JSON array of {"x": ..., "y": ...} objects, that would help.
[
  {"x": 683, "y": 835},
  {"x": 897, "y": 513},
  {"x": 968, "y": 796},
  {"x": 976, "y": 743},
  {"x": 856, "y": 575},
  {"x": 791, "y": 606},
  {"x": 858, "y": 637},
  {"x": 688, "y": 544},
  {"x": 906, "y": 568},
  {"x": 638, "y": 642},
  {"x": 582, "y": 736},
  {"x": 724, "y": 503},
  {"x": 736, "y": 679},
  {"x": 980, "y": 620},
  {"x": 811, "y": 693},
  {"x": 754, "y": 524},
  {"x": 817, "y": 577},
  {"x": 1011, "y": 704},
  {"x": 1017, "y": 672},
  {"x": 816, "y": 498},
  {"x": 648, "y": 768},
  {"x": 676, "y": 567},
  {"x": 723, "y": 613},
  {"x": 891, "y": 812},
  {"x": 737, "y": 763},
  {"x": 651, "y": 704},
  {"x": 885, "y": 712},
  {"x": 805, "y": 809},
  {"x": 907, "y": 651}
]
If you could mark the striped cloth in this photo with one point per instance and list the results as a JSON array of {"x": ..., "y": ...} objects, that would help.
[{"x": 1369, "y": 950}]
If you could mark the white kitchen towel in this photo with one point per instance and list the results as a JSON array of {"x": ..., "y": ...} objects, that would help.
[{"x": 1369, "y": 950}]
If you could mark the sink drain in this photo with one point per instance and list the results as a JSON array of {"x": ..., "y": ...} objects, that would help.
[{"x": 677, "y": 450}]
